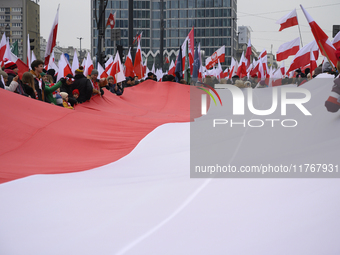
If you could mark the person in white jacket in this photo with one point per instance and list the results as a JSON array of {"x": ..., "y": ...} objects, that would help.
[{"x": 13, "y": 85}]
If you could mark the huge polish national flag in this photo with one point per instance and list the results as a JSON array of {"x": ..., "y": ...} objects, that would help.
[
  {"x": 288, "y": 20},
  {"x": 288, "y": 49}
]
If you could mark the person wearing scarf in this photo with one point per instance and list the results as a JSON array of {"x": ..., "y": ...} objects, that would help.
[{"x": 37, "y": 68}]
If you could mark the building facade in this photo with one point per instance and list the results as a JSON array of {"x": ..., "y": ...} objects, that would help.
[
  {"x": 214, "y": 22},
  {"x": 19, "y": 18}
]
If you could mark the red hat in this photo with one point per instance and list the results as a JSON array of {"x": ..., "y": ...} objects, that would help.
[
  {"x": 337, "y": 54},
  {"x": 10, "y": 65},
  {"x": 75, "y": 91}
]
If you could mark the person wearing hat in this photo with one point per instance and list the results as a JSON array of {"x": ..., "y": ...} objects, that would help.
[
  {"x": 12, "y": 71},
  {"x": 66, "y": 86},
  {"x": 96, "y": 83},
  {"x": 83, "y": 85},
  {"x": 333, "y": 102},
  {"x": 12, "y": 86}
]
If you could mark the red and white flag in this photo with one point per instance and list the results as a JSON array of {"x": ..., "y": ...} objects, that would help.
[
  {"x": 217, "y": 55},
  {"x": 3, "y": 45},
  {"x": 52, "y": 65},
  {"x": 325, "y": 46},
  {"x": 219, "y": 71},
  {"x": 233, "y": 67},
  {"x": 28, "y": 51},
  {"x": 288, "y": 20},
  {"x": 117, "y": 70},
  {"x": 288, "y": 49},
  {"x": 145, "y": 67},
  {"x": 75, "y": 62},
  {"x": 302, "y": 58},
  {"x": 138, "y": 65},
  {"x": 248, "y": 53},
  {"x": 111, "y": 20},
  {"x": 336, "y": 40},
  {"x": 33, "y": 57},
  {"x": 101, "y": 71},
  {"x": 129, "y": 66},
  {"x": 137, "y": 38},
  {"x": 242, "y": 68},
  {"x": 52, "y": 39},
  {"x": 283, "y": 68},
  {"x": 64, "y": 68},
  {"x": 88, "y": 65},
  {"x": 312, "y": 64},
  {"x": 262, "y": 69},
  {"x": 191, "y": 49},
  {"x": 172, "y": 68}
]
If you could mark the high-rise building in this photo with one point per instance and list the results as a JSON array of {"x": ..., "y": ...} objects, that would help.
[
  {"x": 19, "y": 18},
  {"x": 214, "y": 22}
]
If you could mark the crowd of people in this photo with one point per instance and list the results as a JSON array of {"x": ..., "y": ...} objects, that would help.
[{"x": 41, "y": 84}]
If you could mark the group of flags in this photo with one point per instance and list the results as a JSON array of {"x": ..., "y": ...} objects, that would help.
[{"x": 189, "y": 63}]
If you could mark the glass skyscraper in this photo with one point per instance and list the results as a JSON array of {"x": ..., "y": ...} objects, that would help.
[{"x": 214, "y": 22}]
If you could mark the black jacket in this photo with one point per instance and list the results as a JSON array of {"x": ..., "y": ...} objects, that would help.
[
  {"x": 68, "y": 89},
  {"x": 84, "y": 86}
]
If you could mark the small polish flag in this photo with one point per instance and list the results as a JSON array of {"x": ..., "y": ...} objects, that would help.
[
  {"x": 288, "y": 49},
  {"x": 289, "y": 20}
]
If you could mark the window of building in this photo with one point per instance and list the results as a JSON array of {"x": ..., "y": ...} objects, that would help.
[
  {"x": 15, "y": 9},
  {"x": 16, "y": 32},
  {"x": 174, "y": 4},
  {"x": 2, "y": 16},
  {"x": 183, "y": 4},
  {"x": 156, "y": 34},
  {"x": 217, "y": 3},
  {"x": 183, "y": 33},
  {"x": 191, "y": 3},
  {"x": 174, "y": 23},
  {"x": 16, "y": 25},
  {"x": 155, "y": 24},
  {"x": 183, "y": 23},
  {"x": 155, "y": 43},
  {"x": 173, "y": 33},
  {"x": 183, "y": 14},
  {"x": 174, "y": 43},
  {"x": 123, "y": 14},
  {"x": 156, "y": 14},
  {"x": 227, "y": 3},
  {"x": 174, "y": 14},
  {"x": 156, "y": 5},
  {"x": 200, "y": 4}
]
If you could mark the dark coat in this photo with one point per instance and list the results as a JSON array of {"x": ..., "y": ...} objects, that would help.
[
  {"x": 84, "y": 86},
  {"x": 68, "y": 89}
]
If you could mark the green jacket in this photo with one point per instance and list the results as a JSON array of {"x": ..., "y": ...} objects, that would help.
[{"x": 49, "y": 92}]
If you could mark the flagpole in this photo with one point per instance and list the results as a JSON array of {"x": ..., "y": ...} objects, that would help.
[
  {"x": 299, "y": 31},
  {"x": 330, "y": 62}
]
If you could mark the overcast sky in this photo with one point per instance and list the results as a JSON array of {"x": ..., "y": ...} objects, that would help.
[{"x": 74, "y": 20}]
